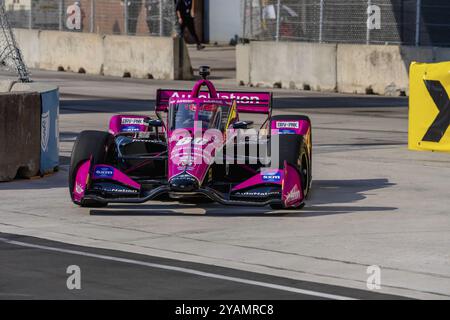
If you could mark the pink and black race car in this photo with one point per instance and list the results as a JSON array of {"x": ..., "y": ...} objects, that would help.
[{"x": 197, "y": 145}]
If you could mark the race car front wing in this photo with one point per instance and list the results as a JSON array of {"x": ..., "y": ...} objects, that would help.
[{"x": 106, "y": 184}]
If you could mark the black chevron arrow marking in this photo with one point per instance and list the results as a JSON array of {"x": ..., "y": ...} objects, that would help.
[{"x": 440, "y": 97}]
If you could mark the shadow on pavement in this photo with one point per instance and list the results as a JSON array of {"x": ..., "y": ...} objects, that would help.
[
  {"x": 344, "y": 191},
  {"x": 55, "y": 180},
  {"x": 324, "y": 192},
  {"x": 340, "y": 102},
  {"x": 328, "y": 197},
  {"x": 98, "y": 105},
  {"x": 106, "y": 106}
]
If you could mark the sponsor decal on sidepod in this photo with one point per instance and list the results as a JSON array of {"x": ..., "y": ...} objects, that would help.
[
  {"x": 131, "y": 129},
  {"x": 133, "y": 121},
  {"x": 286, "y": 131},
  {"x": 288, "y": 125}
]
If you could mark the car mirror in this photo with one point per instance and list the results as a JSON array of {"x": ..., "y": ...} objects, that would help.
[{"x": 242, "y": 124}]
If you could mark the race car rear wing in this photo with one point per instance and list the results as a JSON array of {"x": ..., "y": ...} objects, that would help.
[{"x": 247, "y": 102}]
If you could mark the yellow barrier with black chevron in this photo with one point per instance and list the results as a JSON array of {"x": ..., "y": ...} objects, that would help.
[{"x": 429, "y": 107}]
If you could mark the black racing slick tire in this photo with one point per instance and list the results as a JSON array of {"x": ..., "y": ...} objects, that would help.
[
  {"x": 95, "y": 144},
  {"x": 293, "y": 149}
]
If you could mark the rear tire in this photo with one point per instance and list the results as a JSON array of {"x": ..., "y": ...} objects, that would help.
[{"x": 89, "y": 143}]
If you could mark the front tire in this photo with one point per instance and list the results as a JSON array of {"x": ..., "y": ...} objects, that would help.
[
  {"x": 293, "y": 149},
  {"x": 95, "y": 144}
]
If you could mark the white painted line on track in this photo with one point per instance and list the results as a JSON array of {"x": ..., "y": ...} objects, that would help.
[{"x": 180, "y": 269}]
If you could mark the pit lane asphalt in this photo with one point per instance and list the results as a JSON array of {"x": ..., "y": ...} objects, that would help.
[{"x": 373, "y": 202}]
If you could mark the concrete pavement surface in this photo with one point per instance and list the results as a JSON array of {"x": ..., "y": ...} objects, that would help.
[{"x": 373, "y": 201}]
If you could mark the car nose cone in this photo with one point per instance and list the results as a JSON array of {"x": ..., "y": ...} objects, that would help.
[{"x": 183, "y": 183}]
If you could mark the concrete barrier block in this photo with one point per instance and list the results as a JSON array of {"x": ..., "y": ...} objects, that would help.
[
  {"x": 6, "y": 85},
  {"x": 183, "y": 66},
  {"x": 243, "y": 64},
  {"x": 29, "y": 43},
  {"x": 346, "y": 68},
  {"x": 20, "y": 137},
  {"x": 293, "y": 65},
  {"x": 142, "y": 57},
  {"x": 49, "y": 159},
  {"x": 378, "y": 69},
  {"x": 139, "y": 57},
  {"x": 72, "y": 51}
]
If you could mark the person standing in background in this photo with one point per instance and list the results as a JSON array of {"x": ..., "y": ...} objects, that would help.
[{"x": 186, "y": 20}]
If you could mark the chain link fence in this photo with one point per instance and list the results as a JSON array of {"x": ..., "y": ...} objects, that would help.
[
  {"x": 407, "y": 22},
  {"x": 125, "y": 17}
]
